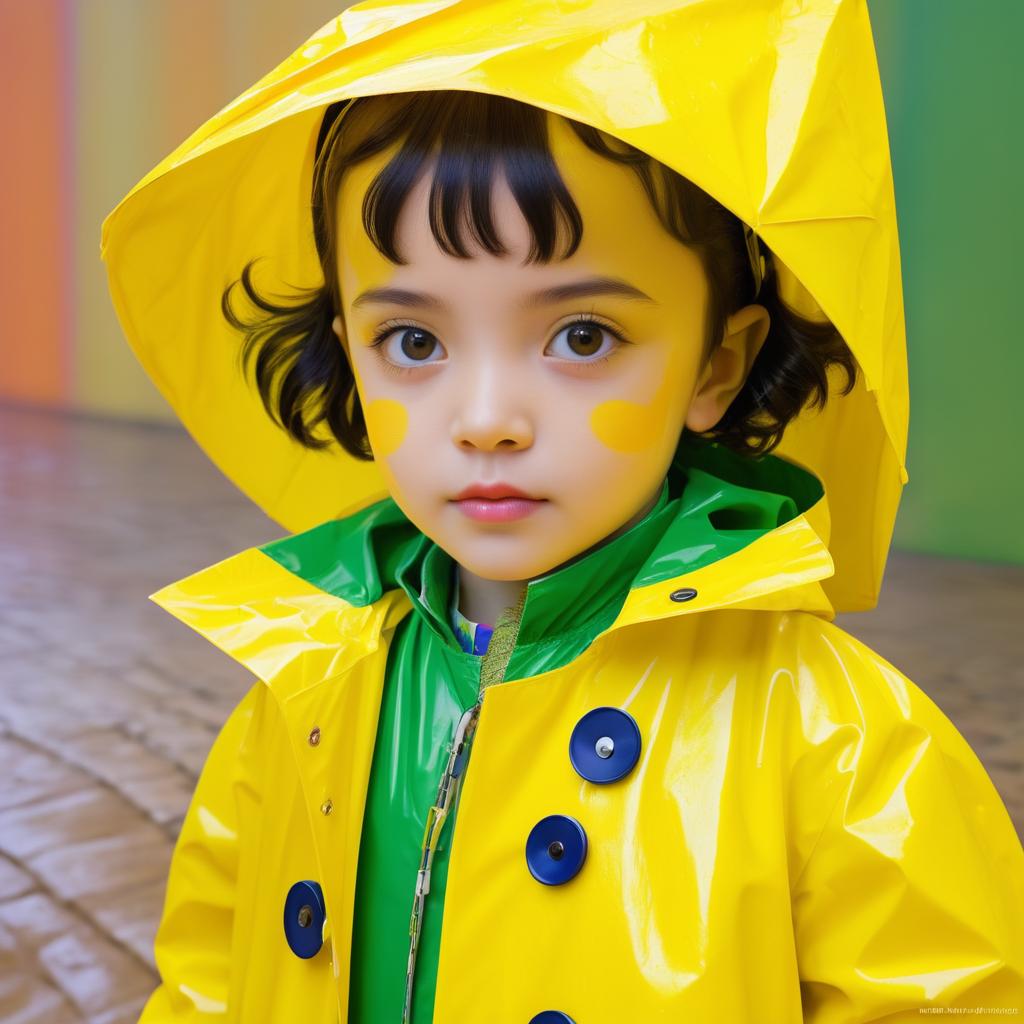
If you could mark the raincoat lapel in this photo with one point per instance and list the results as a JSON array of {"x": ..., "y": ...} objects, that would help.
[
  {"x": 323, "y": 660},
  {"x": 781, "y": 570}
]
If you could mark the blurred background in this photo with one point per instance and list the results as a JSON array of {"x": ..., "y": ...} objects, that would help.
[{"x": 107, "y": 711}]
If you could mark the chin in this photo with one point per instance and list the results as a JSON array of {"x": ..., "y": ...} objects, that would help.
[{"x": 491, "y": 559}]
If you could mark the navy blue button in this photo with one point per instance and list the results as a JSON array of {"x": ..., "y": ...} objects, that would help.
[
  {"x": 552, "y": 1017},
  {"x": 556, "y": 849},
  {"x": 605, "y": 745},
  {"x": 304, "y": 916}
]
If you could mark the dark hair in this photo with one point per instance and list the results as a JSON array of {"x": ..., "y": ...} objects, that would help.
[{"x": 300, "y": 367}]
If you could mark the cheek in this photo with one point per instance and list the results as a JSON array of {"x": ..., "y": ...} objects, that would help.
[
  {"x": 387, "y": 423},
  {"x": 630, "y": 426},
  {"x": 387, "y": 420}
]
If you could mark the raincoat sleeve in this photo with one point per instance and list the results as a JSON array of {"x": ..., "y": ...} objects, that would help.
[
  {"x": 194, "y": 940},
  {"x": 912, "y": 894}
]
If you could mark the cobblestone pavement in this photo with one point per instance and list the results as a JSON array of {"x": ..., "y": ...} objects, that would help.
[{"x": 108, "y": 706}]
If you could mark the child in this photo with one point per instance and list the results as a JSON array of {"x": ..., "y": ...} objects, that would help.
[{"x": 560, "y": 727}]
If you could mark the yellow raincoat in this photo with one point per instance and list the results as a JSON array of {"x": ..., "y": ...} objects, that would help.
[{"x": 804, "y": 835}]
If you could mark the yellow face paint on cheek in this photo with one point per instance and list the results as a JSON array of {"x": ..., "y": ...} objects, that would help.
[
  {"x": 627, "y": 426},
  {"x": 387, "y": 423}
]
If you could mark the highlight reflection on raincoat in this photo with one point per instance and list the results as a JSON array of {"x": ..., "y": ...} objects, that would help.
[{"x": 784, "y": 827}]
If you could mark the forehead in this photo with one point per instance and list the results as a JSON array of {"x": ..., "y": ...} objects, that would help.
[{"x": 622, "y": 235}]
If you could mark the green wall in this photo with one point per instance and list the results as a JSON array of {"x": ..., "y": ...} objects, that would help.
[{"x": 952, "y": 73}]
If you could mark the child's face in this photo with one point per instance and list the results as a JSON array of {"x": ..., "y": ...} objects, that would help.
[{"x": 493, "y": 383}]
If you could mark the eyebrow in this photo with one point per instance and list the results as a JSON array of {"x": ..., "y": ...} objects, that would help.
[{"x": 583, "y": 289}]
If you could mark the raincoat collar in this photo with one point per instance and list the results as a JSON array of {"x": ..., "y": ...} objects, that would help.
[
  {"x": 574, "y": 597},
  {"x": 740, "y": 533},
  {"x": 567, "y": 600},
  {"x": 713, "y": 503}
]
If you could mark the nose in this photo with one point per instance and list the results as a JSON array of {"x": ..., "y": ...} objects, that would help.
[{"x": 491, "y": 414}]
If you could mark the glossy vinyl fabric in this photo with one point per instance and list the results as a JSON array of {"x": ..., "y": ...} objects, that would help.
[
  {"x": 772, "y": 106},
  {"x": 804, "y": 837},
  {"x": 429, "y": 681}
]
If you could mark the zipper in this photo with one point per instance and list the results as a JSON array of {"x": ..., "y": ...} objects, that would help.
[
  {"x": 451, "y": 781},
  {"x": 493, "y": 666}
]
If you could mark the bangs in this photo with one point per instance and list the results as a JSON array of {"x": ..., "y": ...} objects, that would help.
[
  {"x": 473, "y": 137},
  {"x": 292, "y": 348}
]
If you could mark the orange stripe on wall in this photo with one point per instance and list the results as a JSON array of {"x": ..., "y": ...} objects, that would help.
[
  {"x": 35, "y": 220},
  {"x": 193, "y": 79}
]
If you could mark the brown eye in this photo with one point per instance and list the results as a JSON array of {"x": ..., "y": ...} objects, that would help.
[
  {"x": 410, "y": 346},
  {"x": 585, "y": 339},
  {"x": 417, "y": 345},
  {"x": 582, "y": 341}
]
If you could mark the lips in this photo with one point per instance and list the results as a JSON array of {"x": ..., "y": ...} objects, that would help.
[
  {"x": 493, "y": 492},
  {"x": 496, "y": 503}
]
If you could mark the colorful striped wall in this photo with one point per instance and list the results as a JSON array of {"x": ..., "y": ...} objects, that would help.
[
  {"x": 105, "y": 88},
  {"x": 37, "y": 203}
]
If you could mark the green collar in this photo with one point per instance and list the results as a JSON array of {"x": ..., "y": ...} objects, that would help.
[
  {"x": 567, "y": 599},
  {"x": 713, "y": 502}
]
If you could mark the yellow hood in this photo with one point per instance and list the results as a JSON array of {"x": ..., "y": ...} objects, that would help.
[{"x": 774, "y": 108}]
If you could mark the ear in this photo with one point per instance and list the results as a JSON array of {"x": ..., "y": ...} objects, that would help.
[
  {"x": 726, "y": 371},
  {"x": 338, "y": 326}
]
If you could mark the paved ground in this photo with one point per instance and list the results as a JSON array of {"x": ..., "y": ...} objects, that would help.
[{"x": 108, "y": 706}]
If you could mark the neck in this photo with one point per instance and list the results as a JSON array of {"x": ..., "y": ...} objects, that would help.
[{"x": 483, "y": 600}]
